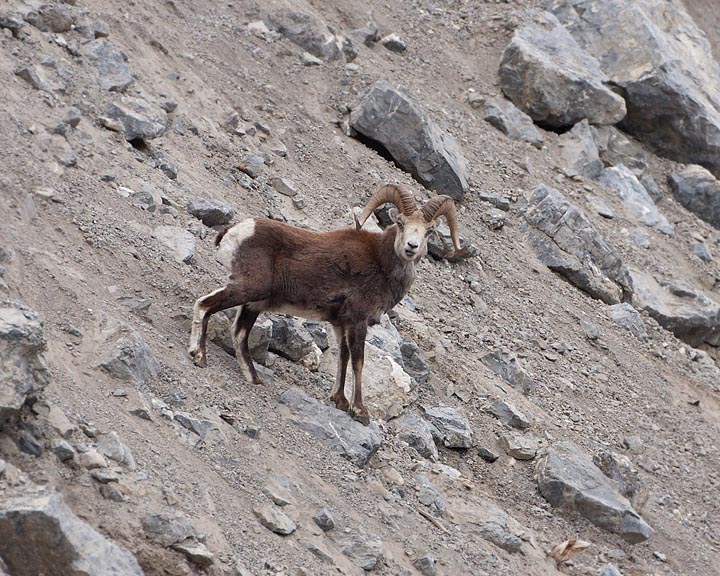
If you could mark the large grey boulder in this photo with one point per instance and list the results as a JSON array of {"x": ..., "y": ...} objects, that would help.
[
  {"x": 391, "y": 116},
  {"x": 336, "y": 429},
  {"x": 567, "y": 243},
  {"x": 688, "y": 313},
  {"x": 293, "y": 341},
  {"x": 23, "y": 369},
  {"x": 697, "y": 190},
  {"x": 548, "y": 76},
  {"x": 416, "y": 432},
  {"x": 579, "y": 151},
  {"x": 112, "y": 72},
  {"x": 510, "y": 120},
  {"x": 40, "y": 535},
  {"x": 567, "y": 478},
  {"x": 140, "y": 119},
  {"x": 663, "y": 66},
  {"x": 635, "y": 198},
  {"x": 311, "y": 34}
]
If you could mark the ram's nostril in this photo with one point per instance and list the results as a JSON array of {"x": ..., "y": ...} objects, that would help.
[{"x": 412, "y": 245}]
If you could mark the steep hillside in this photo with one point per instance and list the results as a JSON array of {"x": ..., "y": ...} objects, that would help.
[{"x": 81, "y": 245}]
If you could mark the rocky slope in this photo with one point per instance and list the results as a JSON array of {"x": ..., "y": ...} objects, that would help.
[{"x": 558, "y": 385}]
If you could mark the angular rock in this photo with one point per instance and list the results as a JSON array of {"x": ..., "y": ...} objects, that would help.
[
  {"x": 507, "y": 366},
  {"x": 92, "y": 29},
  {"x": 390, "y": 116},
  {"x": 520, "y": 446},
  {"x": 629, "y": 318},
  {"x": 662, "y": 64},
  {"x": 274, "y": 520},
  {"x": 387, "y": 388},
  {"x": 416, "y": 432},
  {"x": 111, "y": 446},
  {"x": 547, "y": 75},
  {"x": 394, "y": 43},
  {"x": 56, "y": 18},
  {"x": 567, "y": 477},
  {"x": 510, "y": 120},
  {"x": 494, "y": 525},
  {"x": 487, "y": 454},
  {"x": 615, "y": 148},
  {"x": 440, "y": 245},
  {"x": 28, "y": 444},
  {"x": 507, "y": 414},
  {"x": 620, "y": 469},
  {"x": 308, "y": 32},
  {"x": 199, "y": 426},
  {"x": 579, "y": 151},
  {"x": 169, "y": 529},
  {"x": 113, "y": 73},
  {"x": 284, "y": 186},
  {"x": 195, "y": 552},
  {"x": 92, "y": 459},
  {"x": 125, "y": 355},
  {"x": 324, "y": 520},
  {"x": 40, "y": 535},
  {"x": 290, "y": 339},
  {"x": 12, "y": 23},
  {"x": 635, "y": 198},
  {"x": 386, "y": 337},
  {"x": 701, "y": 250},
  {"x": 140, "y": 119},
  {"x": 336, "y": 429},
  {"x": 211, "y": 212},
  {"x": 429, "y": 496},
  {"x": 652, "y": 187},
  {"x": 413, "y": 361},
  {"x": 365, "y": 551},
  {"x": 610, "y": 570},
  {"x": 181, "y": 242},
  {"x": 426, "y": 565},
  {"x": 62, "y": 449},
  {"x": 567, "y": 243},
  {"x": 252, "y": 164},
  {"x": 259, "y": 340},
  {"x": 452, "y": 427},
  {"x": 698, "y": 191},
  {"x": 23, "y": 369},
  {"x": 688, "y": 313},
  {"x": 318, "y": 333},
  {"x": 35, "y": 76}
]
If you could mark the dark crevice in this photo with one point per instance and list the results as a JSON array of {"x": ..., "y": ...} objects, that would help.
[
  {"x": 139, "y": 144},
  {"x": 375, "y": 145}
]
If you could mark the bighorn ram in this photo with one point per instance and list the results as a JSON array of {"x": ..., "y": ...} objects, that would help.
[{"x": 345, "y": 277}]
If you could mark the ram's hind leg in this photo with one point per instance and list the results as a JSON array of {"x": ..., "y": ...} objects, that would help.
[
  {"x": 244, "y": 321},
  {"x": 205, "y": 307},
  {"x": 356, "y": 343},
  {"x": 338, "y": 392}
]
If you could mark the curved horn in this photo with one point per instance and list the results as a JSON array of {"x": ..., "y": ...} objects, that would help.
[
  {"x": 443, "y": 206},
  {"x": 403, "y": 199}
]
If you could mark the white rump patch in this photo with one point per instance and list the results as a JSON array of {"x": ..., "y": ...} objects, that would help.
[{"x": 233, "y": 239}]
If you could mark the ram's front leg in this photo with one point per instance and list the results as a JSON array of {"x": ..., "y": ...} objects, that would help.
[
  {"x": 338, "y": 392},
  {"x": 356, "y": 343}
]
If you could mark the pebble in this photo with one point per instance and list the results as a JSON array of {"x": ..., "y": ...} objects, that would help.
[
  {"x": 394, "y": 43},
  {"x": 324, "y": 520}
]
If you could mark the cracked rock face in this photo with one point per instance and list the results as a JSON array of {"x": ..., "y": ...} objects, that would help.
[
  {"x": 567, "y": 478},
  {"x": 567, "y": 243}
]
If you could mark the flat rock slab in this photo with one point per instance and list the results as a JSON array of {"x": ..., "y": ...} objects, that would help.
[
  {"x": 579, "y": 151},
  {"x": 550, "y": 77},
  {"x": 40, "y": 535},
  {"x": 170, "y": 529},
  {"x": 507, "y": 414},
  {"x": 664, "y": 65},
  {"x": 687, "y": 312},
  {"x": 23, "y": 369},
  {"x": 112, "y": 72},
  {"x": 179, "y": 241},
  {"x": 507, "y": 366},
  {"x": 635, "y": 198},
  {"x": 124, "y": 355},
  {"x": 336, "y": 429},
  {"x": 211, "y": 212},
  {"x": 567, "y": 243},
  {"x": 629, "y": 318},
  {"x": 308, "y": 32},
  {"x": 491, "y": 523},
  {"x": 274, "y": 519},
  {"x": 512, "y": 121},
  {"x": 365, "y": 550},
  {"x": 390, "y": 115},
  {"x": 698, "y": 191},
  {"x": 567, "y": 477}
]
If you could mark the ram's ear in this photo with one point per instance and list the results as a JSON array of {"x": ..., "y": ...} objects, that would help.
[{"x": 393, "y": 213}]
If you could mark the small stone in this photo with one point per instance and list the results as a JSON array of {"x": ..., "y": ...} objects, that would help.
[
  {"x": 416, "y": 432},
  {"x": 252, "y": 165},
  {"x": 610, "y": 570},
  {"x": 73, "y": 117},
  {"x": 274, "y": 520},
  {"x": 141, "y": 413},
  {"x": 520, "y": 446},
  {"x": 168, "y": 104},
  {"x": 180, "y": 242},
  {"x": 36, "y": 77},
  {"x": 211, "y": 212},
  {"x": 170, "y": 529},
  {"x": 279, "y": 495},
  {"x": 195, "y": 552},
  {"x": 660, "y": 556},
  {"x": 28, "y": 444},
  {"x": 365, "y": 551},
  {"x": 111, "y": 446},
  {"x": 92, "y": 459},
  {"x": 487, "y": 454},
  {"x": 430, "y": 496},
  {"x": 426, "y": 565},
  {"x": 633, "y": 443},
  {"x": 199, "y": 426},
  {"x": 62, "y": 449},
  {"x": 104, "y": 475},
  {"x": 310, "y": 60},
  {"x": 324, "y": 520},
  {"x": 507, "y": 414},
  {"x": 453, "y": 427},
  {"x": 120, "y": 393},
  {"x": 701, "y": 250},
  {"x": 284, "y": 186},
  {"x": 394, "y": 43}
]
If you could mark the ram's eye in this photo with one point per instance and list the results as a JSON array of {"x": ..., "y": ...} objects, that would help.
[
  {"x": 400, "y": 224},
  {"x": 429, "y": 231}
]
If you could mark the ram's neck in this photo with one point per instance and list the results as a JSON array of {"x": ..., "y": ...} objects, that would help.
[{"x": 400, "y": 273}]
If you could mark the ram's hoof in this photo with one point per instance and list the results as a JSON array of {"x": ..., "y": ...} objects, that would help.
[
  {"x": 361, "y": 416},
  {"x": 200, "y": 360}
]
